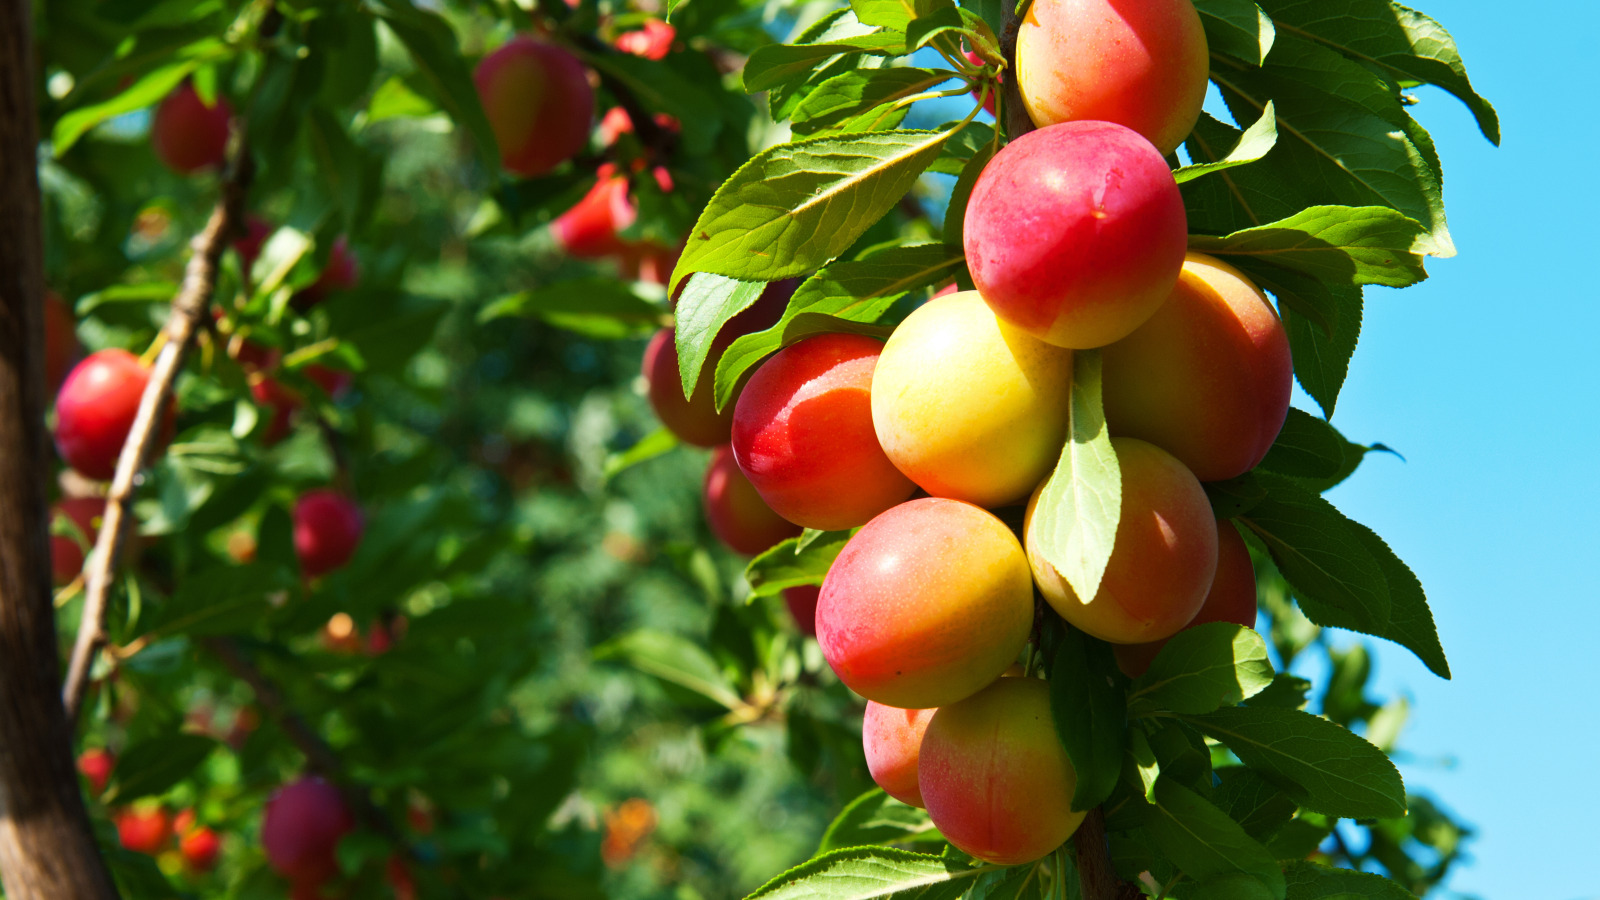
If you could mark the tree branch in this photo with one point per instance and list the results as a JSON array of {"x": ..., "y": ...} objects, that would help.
[
  {"x": 188, "y": 310},
  {"x": 320, "y": 758},
  {"x": 47, "y": 848},
  {"x": 1016, "y": 122},
  {"x": 1097, "y": 878}
]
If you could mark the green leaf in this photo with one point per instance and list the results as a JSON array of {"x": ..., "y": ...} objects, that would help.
[
  {"x": 1249, "y": 799},
  {"x": 1074, "y": 525},
  {"x": 648, "y": 447},
  {"x": 1310, "y": 881},
  {"x": 1087, "y": 705},
  {"x": 1343, "y": 137},
  {"x": 874, "y": 873},
  {"x": 148, "y": 90},
  {"x": 222, "y": 600},
  {"x": 673, "y": 659},
  {"x": 1322, "y": 555},
  {"x": 1202, "y": 841},
  {"x": 851, "y": 101},
  {"x": 152, "y": 766},
  {"x": 1323, "y": 322},
  {"x": 596, "y": 307},
  {"x": 782, "y": 566},
  {"x": 925, "y": 28},
  {"x": 1238, "y": 28},
  {"x": 860, "y": 290},
  {"x": 775, "y": 64},
  {"x": 1406, "y": 45},
  {"x": 1202, "y": 668},
  {"x": 796, "y": 206},
  {"x": 1322, "y": 766},
  {"x": 1410, "y": 621},
  {"x": 432, "y": 45},
  {"x": 1337, "y": 244},
  {"x": 893, "y": 14},
  {"x": 705, "y": 305},
  {"x": 1286, "y": 691},
  {"x": 955, "y": 213},
  {"x": 393, "y": 100},
  {"x": 349, "y": 173},
  {"x": 877, "y": 818},
  {"x": 1253, "y": 144},
  {"x": 1307, "y": 447}
]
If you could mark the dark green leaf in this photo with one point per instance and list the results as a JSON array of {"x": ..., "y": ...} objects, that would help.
[
  {"x": 1254, "y": 143},
  {"x": 1286, "y": 691},
  {"x": 1337, "y": 244},
  {"x": 1310, "y": 881},
  {"x": 775, "y": 64},
  {"x": 1322, "y": 555},
  {"x": 431, "y": 43},
  {"x": 852, "y": 101},
  {"x": 650, "y": 446},
  {"x": 1249, "y": 799},
  {"x": 1307, "y": 447},
  {"x": 673, "y": 659},
  {"x": 796, "y": 206},
  {"x": 1074, "y": 525},
  {"x": 955, "y": 213},
  {"x": 705, "y": 305},
  {"x": 1202, "y": 668},
  {"x": 222, "y": 600},
  {"x": 877, "y": 818},
  {"x": 1342, "y": 134},
  {"x": 1406, "y": 45},
  {"x": 1299, "y": 838},
  {"x": 152, "y": 766},
  {"x": 874, "y": 873},
  {"x": 1410, "y": 621},
  {"x": 1202, "y": 841},
  {"x": 1087, "y": 705},
  {"x": 782, "y": 567},
  {"x": 1324, "y": 767},
  {"x": 596, "y": 307},
  {"x": 860, "y": 290},
  {"x": 148, "y": 90},
  {"x": 1238, "y": 28}
]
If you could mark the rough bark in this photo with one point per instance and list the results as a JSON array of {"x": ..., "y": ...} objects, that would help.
[{"x": 47, "y": 851}]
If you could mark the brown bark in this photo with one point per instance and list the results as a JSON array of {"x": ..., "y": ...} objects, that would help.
[
  {"x": 1016, "y": 121},
  {"x": 1097, "y": 878},
  {"x": 47, "y": 851}
]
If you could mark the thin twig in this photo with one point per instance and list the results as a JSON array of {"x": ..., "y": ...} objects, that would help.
[
  {"x": 1097, "y": 878},
  {"x": 320, "y": 758},
  {"x": 188, "y": 310}
]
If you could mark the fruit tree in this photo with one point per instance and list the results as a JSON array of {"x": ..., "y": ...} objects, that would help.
[{"x": 704, "y": 448}]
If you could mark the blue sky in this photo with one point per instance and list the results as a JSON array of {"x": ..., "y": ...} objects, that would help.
[{"x": 1485, "y": 378}]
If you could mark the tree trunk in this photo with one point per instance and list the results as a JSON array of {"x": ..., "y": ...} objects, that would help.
[{"x": 47, "y": 851}]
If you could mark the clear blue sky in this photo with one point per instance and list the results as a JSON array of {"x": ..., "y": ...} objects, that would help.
[{"x": 1487, "y": 378}]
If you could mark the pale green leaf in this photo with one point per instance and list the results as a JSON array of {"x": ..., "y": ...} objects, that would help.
[
  {"x": 1253, "y": 144},
  {"x": 1202, "y": 668},
  {"x": 1074, "y": 525}
]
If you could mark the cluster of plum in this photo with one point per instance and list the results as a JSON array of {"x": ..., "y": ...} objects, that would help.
[{"x": 1076, "y": 239}]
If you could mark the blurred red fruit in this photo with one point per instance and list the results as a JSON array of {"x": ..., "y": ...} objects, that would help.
[
  {"x": 187, "y": 135},
  {"x": 802, "y": 603},
  {"x": 342, "y": 273},
  {"x": 327, "y": 528},
  {"x": 95, "y": 765},
  {"x": 589, "y": 229},
  {"x": 301, "y": 829},
  {"x": 653, "y": 41},
  {"x": 144, "y": 831},
  {"x": 280, "y": 404},
  {"x": 200, "y": 847},
  {"x": 95, "y": 411}
]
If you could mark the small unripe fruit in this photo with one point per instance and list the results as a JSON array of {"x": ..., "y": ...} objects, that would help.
[
  {"x": 96, "y": 408},
  {"x": 802, "y": 603},
  {"x": 736, "y": 513},
  {"x": 301, "y": 828},
  {"x": 327, "y": 529},
  {"x": 66, "y": 552},
  {"x": 1232, "y": 598},
  {"x": 1142, "y": 65},
  {"x": 802, "y": 433},
  {"x": 144, "y": 831},
  {"x": 1075, "y": 233},
  {"x": 1163, "y": 561},
  {"x": 995, "y": 777},
  {"x": 1208, "y": 377},
  {"x": 968, "y": 406},
  {"x": 538, "y": 100},
  {"x": 187, "y": 135},
  {"x": 891, "y": 738},
  {"x": 96, "y": 767},
  {"x": 926, "y": 604}
]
